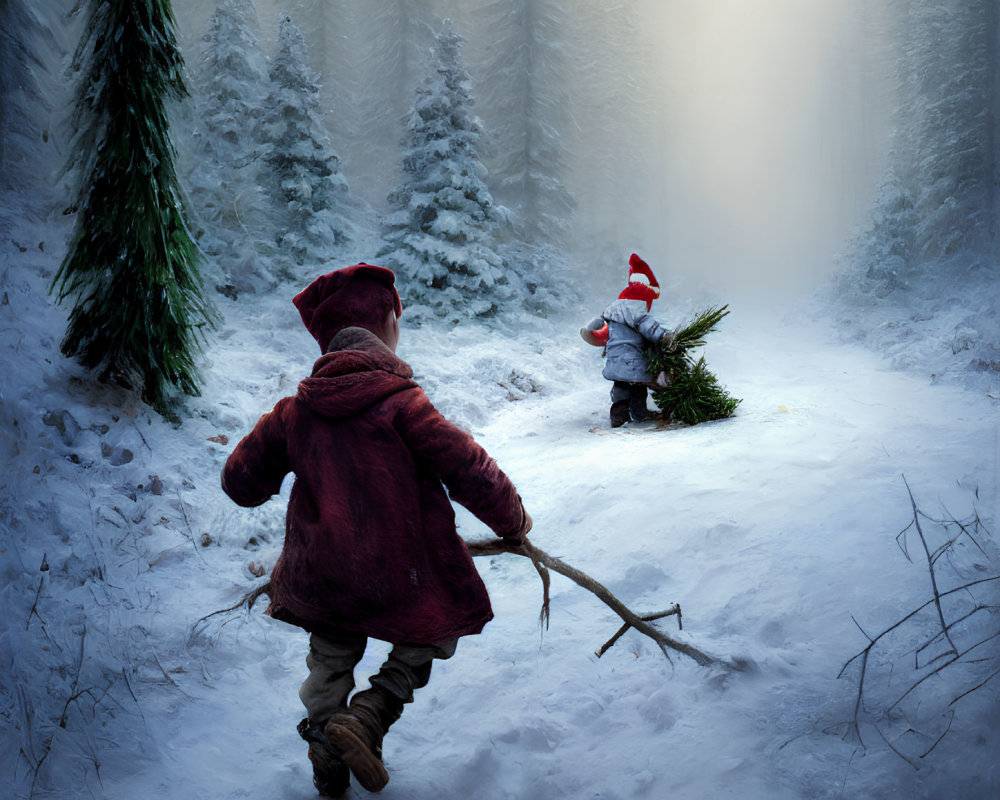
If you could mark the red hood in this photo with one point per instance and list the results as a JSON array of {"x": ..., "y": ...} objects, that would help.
[{"x": 358, "y": 372}]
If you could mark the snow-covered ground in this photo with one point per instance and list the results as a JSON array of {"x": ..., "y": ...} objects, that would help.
[{"x": 776, "y": 532}]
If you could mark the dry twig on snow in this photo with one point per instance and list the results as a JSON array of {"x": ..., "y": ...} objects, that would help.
[{"x": 966, "y": 640}]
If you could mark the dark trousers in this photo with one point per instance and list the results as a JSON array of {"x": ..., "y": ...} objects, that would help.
[{"x": 635, "y": 395}]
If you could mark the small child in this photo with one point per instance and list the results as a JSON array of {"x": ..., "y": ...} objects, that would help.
[
  {"x": 630, "y": 330},
  {"x": 370, "y": 547}
]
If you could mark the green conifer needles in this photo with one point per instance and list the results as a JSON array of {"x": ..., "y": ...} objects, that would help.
[
  {"x": 132, "y": 266},
  {"x": 694, "y": 394}
]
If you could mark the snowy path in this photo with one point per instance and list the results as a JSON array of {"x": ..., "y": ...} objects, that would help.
[{"x": 770, "y": 529}]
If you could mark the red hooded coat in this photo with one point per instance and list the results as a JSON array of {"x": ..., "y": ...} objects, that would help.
[{"x": 370, "y": 541}]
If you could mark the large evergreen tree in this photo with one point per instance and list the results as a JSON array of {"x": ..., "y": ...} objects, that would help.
[
  {"x": 131, "y": 267},
  {"x": 440, "y": 236},
  {"x": 304, "y": 170}
]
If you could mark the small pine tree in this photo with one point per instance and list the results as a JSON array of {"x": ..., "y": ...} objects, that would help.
[
  {"x": 694, "y": 394},
  {"x": 439, "y": 238},
  {"x": 132, "y": 266},
  {"x": 305, "y": 177}
]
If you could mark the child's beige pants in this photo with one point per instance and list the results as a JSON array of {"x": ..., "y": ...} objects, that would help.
[{"x": 332, "y": 660}]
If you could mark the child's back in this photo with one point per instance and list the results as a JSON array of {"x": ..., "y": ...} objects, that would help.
[{"x": 371, "y": 548}]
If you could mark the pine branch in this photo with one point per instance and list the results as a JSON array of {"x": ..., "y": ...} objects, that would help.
[
  {"x": 693, "y": 335},
  {"x": 694, "y": 394}
]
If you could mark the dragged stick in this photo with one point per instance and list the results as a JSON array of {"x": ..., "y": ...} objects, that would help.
[
  {"x": 674, "y": 609},
  {"x": 490, "y": 547},
  {"x": 543, "y": 562}
]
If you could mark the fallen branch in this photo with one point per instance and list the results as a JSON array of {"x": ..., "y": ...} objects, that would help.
[
  {"x": 543, "y": 562},
  {"x": 646, "y": 618},
  {"x": 491, "y": 547}
]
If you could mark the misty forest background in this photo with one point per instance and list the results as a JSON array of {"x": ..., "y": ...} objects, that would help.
[
  {"x": 504, "y": 163},
  {"x": 600, "y": 127}
]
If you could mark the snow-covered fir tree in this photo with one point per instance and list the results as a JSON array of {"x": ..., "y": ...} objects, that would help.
[
  {"x": 303, "y": 170},
  {"x": 222, "y": 172},
  {"x": 934, "y": 231},
  {"x": 440, "y": 238},
  {"x": 232, "y": 78},
  {"x": 886, "y": 249},
  {"x": 950, "y": 100},
  {"x": 944, "y": 157},
  {"x": 131, "y": 268}
]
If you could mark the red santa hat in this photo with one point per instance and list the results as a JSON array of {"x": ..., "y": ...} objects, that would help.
[
  {"x": 642, "y": 283},
  {"x": 360, "y": 296}
]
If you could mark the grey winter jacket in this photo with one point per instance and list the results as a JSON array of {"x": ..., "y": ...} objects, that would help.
[{"x": 631, "y": 328}]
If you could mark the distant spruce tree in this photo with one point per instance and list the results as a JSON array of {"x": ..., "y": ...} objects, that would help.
[
  {"x": 233, "y": 78},
  {"x": 222, "y": 173},
  {"x": 304, "y": 173},
  {"x": 950, "y": 107},
  {"x": 937, "y": 210},
  {"x": 528, "y": 103},
  {"x": 132, "y": 268},
  {"x": 440, "y": 237},
  {"x": 19, "y": 90}
]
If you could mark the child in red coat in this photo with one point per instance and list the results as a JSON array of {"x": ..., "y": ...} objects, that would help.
[{"x": 370, "y": 548}]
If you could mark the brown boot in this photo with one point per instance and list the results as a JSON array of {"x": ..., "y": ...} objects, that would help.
[
  {"x": 330, "y": 775},
  {"x": 357, "y": 734}
]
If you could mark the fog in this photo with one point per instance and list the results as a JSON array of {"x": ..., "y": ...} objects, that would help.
[
  {"x": 771, "y": 138},
  {"x": 736, "y": 143}
]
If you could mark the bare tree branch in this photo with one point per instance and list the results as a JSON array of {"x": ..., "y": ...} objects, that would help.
[
  {"x": 543, "y": 562},
  {"x": 955, "y": 647},
  {"x": 930, "y": 566},
  {"x": 491, "y": 547}
]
